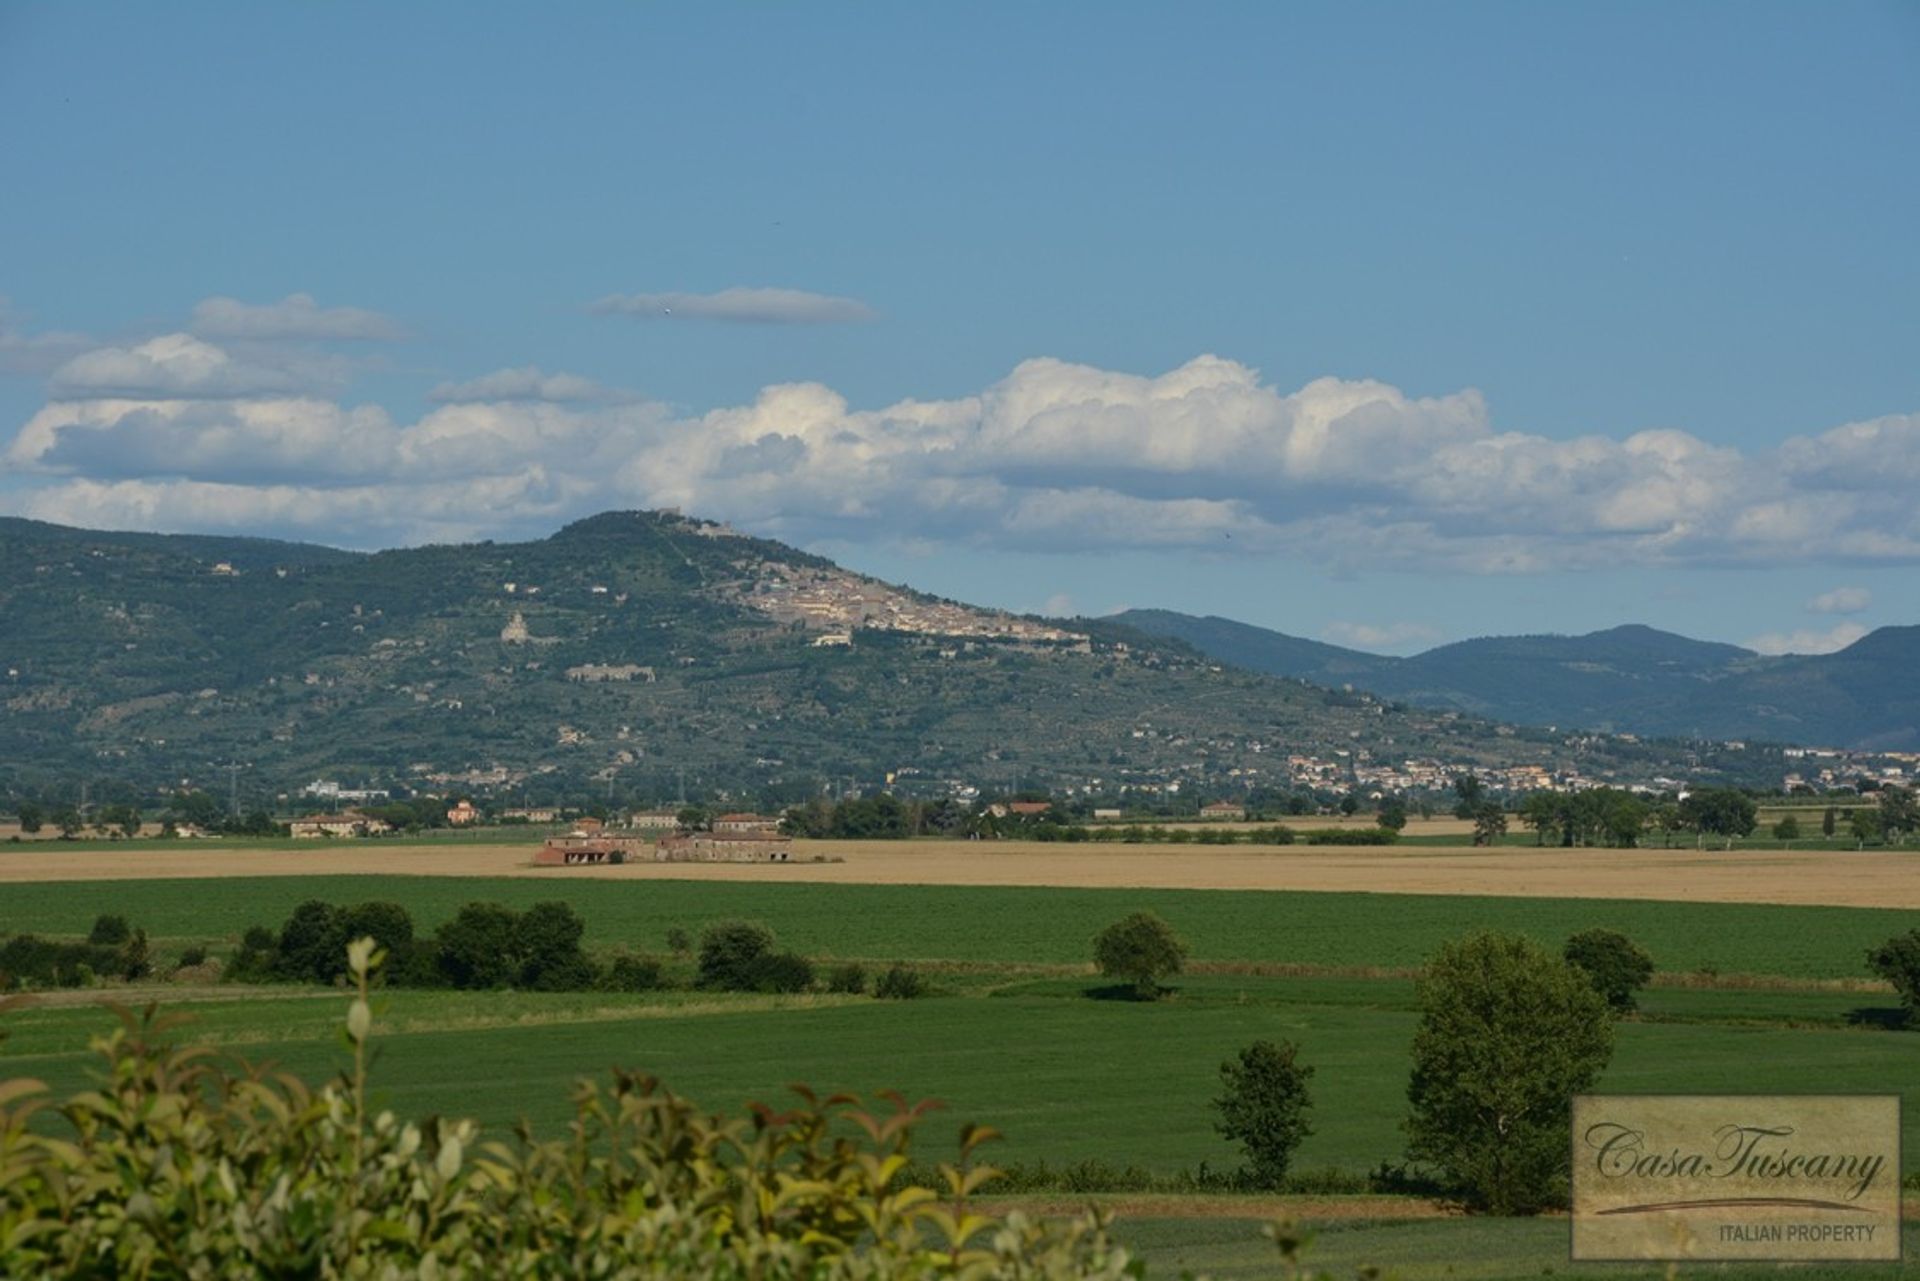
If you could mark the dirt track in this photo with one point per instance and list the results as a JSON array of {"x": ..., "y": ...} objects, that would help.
[{"x": 1842, "y": 879}]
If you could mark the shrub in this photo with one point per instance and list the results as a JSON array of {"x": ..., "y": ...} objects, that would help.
[
  {"x": 1348, "y": 836},
  {"x": 388, "y": 924},
  {"x": 677, "y": 941},
  {"x": 851, "y": 978},
  {"x": 729, "y": 953},
  {"x": 900, "y": 983},
  {"x": 781, "y": 972},
  {"x": 1898, "y": 962},
  {"x": 1264, "y": 1108},
  {"x": 547, "y": 939},
  {"x": 479, "y": 947},
  {"x": 256, "y": 959},
  {"x": 1615, "y": 965},
  {"x": 629, "y": 973},
  {"x": 311, "y": 943},
  {"x": 645, "y": 1183},
  {"x": 1142, "y": 949},
  {"x": 109, "y": 931},
  {"x": 1787, "y": 829},
  {"x": 193, "y": 956},
  {"x": 1508, "y": 1035}
]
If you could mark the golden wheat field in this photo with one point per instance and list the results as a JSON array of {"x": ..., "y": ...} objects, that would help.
[{"x": 1837, "y": 878}]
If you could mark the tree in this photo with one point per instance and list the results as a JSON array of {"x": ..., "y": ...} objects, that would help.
[
  {"x": 109, "y": 931},
  {"x": 387, "y": 924},
  {"x": 1393, "y": 814},
  {"x": 198, "y": 808},
  {"x": 479, "y": 947},
  {"x": 1489, "y": 823},
  {"x": 32, "y": 816},
  {"x": 1829, "y": 821},
  {"x": 1470, "y": 791},
  {"x": 68, "y": 820},
  {"x": 1349, "y": 804},
  {"x": 1898, "y": 962},
  {"x": 1541, "y": 812},
  {"x": 1263, "y": 1107},
  {"x": 312, "y": 943},
  {"x": 1508, "y": 1035},
  {"x": 731, "y": 952},
  {"x": 1719, "y": 811},
  {"x": 695, "y": 818},
  {"x": 548, "y": 938},
  {"x": 1787, "y": 829},
  {"x": 1142, "y": 949},
  {"x": 1616, "y": 965},
  {"x": 1864, "y": 824},
  {"x": 1899, "y": 813}
]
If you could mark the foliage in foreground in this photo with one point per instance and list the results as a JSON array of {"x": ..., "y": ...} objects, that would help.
[
  {"x": 179, "y": 1166},
  {"x": 1508, "y": 1034}
]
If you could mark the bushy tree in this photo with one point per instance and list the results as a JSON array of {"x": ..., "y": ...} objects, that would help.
[
  {"x": 388, "y": 924},
  {"x": 1615, "y": 965},
  {"x": 1489, "y": 823},
  {"x": 479, "y": 947},
  {"x": 1787, "y": 829},
  {"x": 1142, "y": 949},
  {"x": 901, "y": 982},
  {"x": 1898, "y": 962},
  {"x": 1899, "y": 812},
  {"x": 729, "y": 953},
  {"x": 781, "y": 972},
  {"x": 1719, "y": 811},
  {"x": 629, "y": 973},
  {"x": 312, "y": 943},
  {"x": 1263, "y": 1107},
  {"x": 548, "y": 944},
  {"x": 109, "y": 930},
  {"x": 850, "y": 978},
  {"x": 31, "y": 815},
  {"x": 1393, "y": 814},
  {"x": 1508, "y": 1034}
]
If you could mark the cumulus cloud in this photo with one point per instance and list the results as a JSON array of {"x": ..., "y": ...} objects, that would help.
[
  {"x": 1808, "y": 641},
  {"x": 297, "y": 316},
  {"x": 528, "y": 383},
  {"x": 748, "y": 306},
  {"x": 1055, "y": 456},
  {"x": 1841, "y": 600},
  {"x": 1380, "y": 636}
]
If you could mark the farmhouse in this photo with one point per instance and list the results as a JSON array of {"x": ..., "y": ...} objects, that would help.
[
  {"x": 1223, "y": 810},
  {"x": 653, "y": 820},
  {"x": 463, "y": 814},
  {"x": 735, "y": 823},
  {"x": 533, "y": 814},
  {"x": 588, "y": 844},
  {"x": 724, "y": 847},
  {"x": 350, "y": 823}
]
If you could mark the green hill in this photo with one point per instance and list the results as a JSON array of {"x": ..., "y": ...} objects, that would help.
[{"x": 626, "y": 651}]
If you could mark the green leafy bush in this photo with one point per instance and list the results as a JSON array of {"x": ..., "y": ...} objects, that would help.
[
  {"x": 900, "y": 983},
  {"x": 1615, "y": 965},
  {"x": 109, "y": 931},
  {"x": 629, "y": 973},
  {"x": 730, "y": 953},
  {"x": 849, "y": 978},
  {"x": 179, "y": 1165},
  {"x": 782, "y": 972}
]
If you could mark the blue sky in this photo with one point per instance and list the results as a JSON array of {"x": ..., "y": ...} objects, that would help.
[{"x": 1388, "y": 324}]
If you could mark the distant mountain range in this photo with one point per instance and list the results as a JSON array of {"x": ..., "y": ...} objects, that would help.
[
  {"x": 633, "y": 650},
  {"x": 1630, "y": 679}
]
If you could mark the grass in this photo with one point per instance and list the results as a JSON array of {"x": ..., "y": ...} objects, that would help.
[
  {"x": 997, "y": 924},
  {"x": 1065, "y": 1077}
]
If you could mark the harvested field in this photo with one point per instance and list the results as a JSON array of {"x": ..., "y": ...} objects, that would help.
[{"x": 1833, "y": 878}]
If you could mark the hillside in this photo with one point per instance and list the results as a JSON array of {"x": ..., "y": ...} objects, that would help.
[
  {"x": 623, "y": 653},
  {"x": 1630, "y": 679}
]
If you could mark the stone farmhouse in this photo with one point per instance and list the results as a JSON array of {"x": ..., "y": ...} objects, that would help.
[
  {"x": 350, "y": 823},
  {"x": 1225, "y": 811},
  {"x": 724, "y": 847}
]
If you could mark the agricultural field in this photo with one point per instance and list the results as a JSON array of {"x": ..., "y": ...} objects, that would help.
[{"x": 1017, "y": 1030}]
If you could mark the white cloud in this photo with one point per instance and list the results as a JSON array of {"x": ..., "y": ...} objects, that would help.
[
  {"x": 181, "y": 366},
  {"x": 1808, "y": 641},
  {"x": 752, "y": 306},
  {"x": 297, "y": 316},
  {"x": 527, "y": 383},
  {"x": 1057, "y": 456},
  {"x": 1380, "y": 636},
  {"x": 1841, "y": 600},
  {"x": 40, "y": 353}
]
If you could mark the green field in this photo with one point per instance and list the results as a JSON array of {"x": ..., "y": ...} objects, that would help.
[
  {"x": 1016, "y": 1038},
  {"x": 1051, "y": 926}
]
